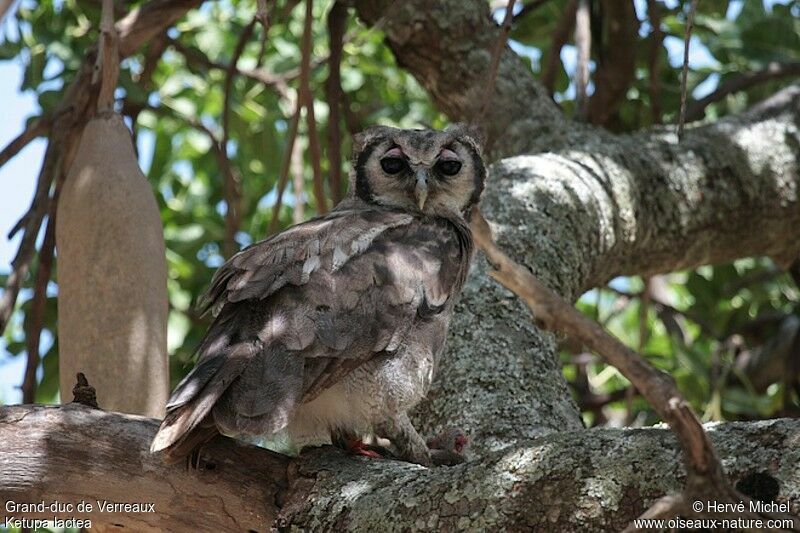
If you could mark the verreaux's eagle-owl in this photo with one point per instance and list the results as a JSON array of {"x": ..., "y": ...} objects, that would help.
[{"x": 335, "y": 326}]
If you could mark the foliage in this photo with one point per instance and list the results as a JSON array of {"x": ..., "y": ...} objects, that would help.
[{"x": 184, "y": 101}]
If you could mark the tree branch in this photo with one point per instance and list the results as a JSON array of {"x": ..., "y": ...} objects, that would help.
[
  {"x": 774, "y": 71},
  {"x": 685, "y": 69},
  {"x": 291, "y": 136},
  {"x": 497, "y": 52},
  {"x": 583, "y": 42},
  {"x": 37, "y": 128},
  {"x": 35, "y": 317},
  {"x": 529, "y": 7},
  {"x": 337, "y": 21},
  {"x": 307, "y": 98},
  {"x": 653, "y": 60},
  {"x": 235, "y": 490},
  {"x": 231, "y": 188},
  {"x": 239, "y": 487},
  {"x": 558, "y": 40},
  {"x": 616, "y": 66}
]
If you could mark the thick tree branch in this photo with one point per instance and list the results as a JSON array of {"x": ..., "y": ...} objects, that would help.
[
  {"x": 235, "y": 491},
  {"x": 238, "y": 487}
]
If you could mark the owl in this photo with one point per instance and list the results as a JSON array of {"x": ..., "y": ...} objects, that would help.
[{"x": 332, "y": 329}]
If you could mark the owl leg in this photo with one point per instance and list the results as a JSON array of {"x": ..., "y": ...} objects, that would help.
[
  {"x": 408, "y": 443},
  {"x": 353, "y": 444}
]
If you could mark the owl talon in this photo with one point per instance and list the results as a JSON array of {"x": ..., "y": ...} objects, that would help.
[
  {"x": 448, "y": 448},
  {"x": 357, "y": 447}
]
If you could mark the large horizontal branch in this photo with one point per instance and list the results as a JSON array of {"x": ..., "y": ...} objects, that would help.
[
  {"x": 86, "y": 454},
  {"x": 644, "y": 204},
  {"x": 72, "y": 453}
]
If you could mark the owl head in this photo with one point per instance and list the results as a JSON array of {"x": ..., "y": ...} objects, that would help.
[{"x": 422, "y": 171}]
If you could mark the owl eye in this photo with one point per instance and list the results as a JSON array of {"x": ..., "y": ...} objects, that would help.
[
  {"x": 448, "y": 167},
  {"x": 393, "y": 165}
]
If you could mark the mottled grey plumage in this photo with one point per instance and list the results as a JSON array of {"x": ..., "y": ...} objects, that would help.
[{"x": 335, "y": 325}]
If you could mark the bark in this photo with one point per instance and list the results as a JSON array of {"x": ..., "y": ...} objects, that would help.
[
  {"x": 607, "y": 479},
  {"x": 73, "y": 453}
]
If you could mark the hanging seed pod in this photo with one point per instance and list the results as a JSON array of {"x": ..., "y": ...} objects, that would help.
[{"x": 112, "y": 275}]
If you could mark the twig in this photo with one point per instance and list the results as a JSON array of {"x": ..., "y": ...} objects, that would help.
[
  {"x": 232, "y": 185},
  {"x": 262, "y": 14},
  {"x": 560, "y": 38},
  {"x": 337, "y": 20},
  {"x": 33, "y": 221},
  {"x": 499, "y": 46},
  {"x": 775, "y": 70},
  {"x": 298, "y": 210},
  {"x": 583, "y": 42},
  {"x": 556, "y": 314},
  {"x": 705, "y": 476},
  {"x": 654, "y": 65},
  {"x": 151, "y": 58},
  {"x": 529, "y": 8},
  {"x": 229, "y": 75},
  {"x": 106, "y": 68},
  {"x": 5, "y": 7},
  {"x": 307, "y": 98},
  {"x": 279, "y": 82},
  {"x": 685, "y": 71},
  {"x": 35, "y": 318},
  {"x": 596, "y": 402},
  {"x": 665, "y": 308},
  {"x": 291, "y": 136},
  {"x": 36, "y": 128}
]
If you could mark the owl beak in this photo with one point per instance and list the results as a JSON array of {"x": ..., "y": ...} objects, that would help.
[{"x": 421, "y": 188}]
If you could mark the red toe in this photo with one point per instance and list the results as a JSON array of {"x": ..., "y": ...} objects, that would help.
[{"x": 357, "y": 447}]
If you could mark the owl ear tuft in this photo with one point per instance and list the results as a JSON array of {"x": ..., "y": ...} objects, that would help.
[
  {"x": 473, "y": 133},
  {"x": 362, "y": 139}
]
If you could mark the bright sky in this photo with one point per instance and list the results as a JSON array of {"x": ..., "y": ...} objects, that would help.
[{"x": 18, "y": 176}]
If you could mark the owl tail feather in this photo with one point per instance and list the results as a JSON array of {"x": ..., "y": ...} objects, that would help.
[
  {"x": 185, "y": 444},
  {"x": 189, "y": 421}
]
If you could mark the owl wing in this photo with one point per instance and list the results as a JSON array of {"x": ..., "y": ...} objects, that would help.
[
  {"x": 360, "y": 278},
  {"x": 293, "y": 255}
]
